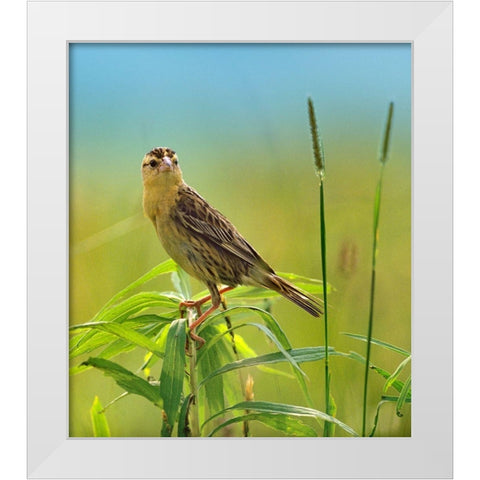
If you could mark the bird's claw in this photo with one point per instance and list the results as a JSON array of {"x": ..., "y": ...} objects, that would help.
[
  {"x": 195, "y": 338},
  {"x": 189, "y": 304}
]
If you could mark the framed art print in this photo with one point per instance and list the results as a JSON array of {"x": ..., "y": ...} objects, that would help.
[{"x": 248, "y": 230}]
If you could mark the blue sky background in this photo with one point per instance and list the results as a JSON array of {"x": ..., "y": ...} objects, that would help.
[{"x": 126, "y": 98}]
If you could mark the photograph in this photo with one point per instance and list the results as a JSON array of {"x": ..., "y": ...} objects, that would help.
[{"x": 239, "y": 222}]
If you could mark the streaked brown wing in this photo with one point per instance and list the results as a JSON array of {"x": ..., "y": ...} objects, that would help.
[{"x": 195, "y": 214}]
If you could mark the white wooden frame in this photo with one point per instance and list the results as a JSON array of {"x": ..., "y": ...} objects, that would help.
[{"x": 51, "y": 26}]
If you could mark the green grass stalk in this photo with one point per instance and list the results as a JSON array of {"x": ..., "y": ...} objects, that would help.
[
  {"x": 194, "y": 421},
  {"x": 376, "y": 233},
  {"x": 319, "y": 159}
]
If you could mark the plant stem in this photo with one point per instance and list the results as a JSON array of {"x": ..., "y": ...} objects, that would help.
[
  {"x": 319, "y": 160},
  {"x": 372, "y": 296},
  {"x": 192, "y": 353},
  {"x": 376, "y": 218},
  {"x": 326, "y": 430}
]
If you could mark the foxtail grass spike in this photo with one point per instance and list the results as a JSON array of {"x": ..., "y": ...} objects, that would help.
[
  {"x": 386, "y": 135},
  {"x": 317, "y": 144}
]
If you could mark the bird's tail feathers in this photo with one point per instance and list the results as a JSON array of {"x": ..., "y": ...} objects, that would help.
[{"x": 308, "y": 302}]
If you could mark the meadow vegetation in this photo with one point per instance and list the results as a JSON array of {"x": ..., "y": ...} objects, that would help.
[{"x": 267, "y": 368}]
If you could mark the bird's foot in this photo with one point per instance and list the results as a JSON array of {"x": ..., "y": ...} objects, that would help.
[
  {"x": 201, "y": 316},
  {"x": 190, "y": 304},
  {"x": 198, "y": 342}
]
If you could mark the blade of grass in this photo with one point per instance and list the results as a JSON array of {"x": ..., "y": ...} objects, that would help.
[
  {"x": 99, "y": 420},
  {"x": 243, "y": 349},
  {"x": 376, "y": 232},
  {"x": 377, "y": 414},
  {"x": 397, "y": 384},
  {"x": 171, "y": 378},
  {"x": 209, "y": 362},
  {"x": 167, "y": 266},
  {"x": 283, "y": 423},
  {"x": 404, "y": 396},
  {"x": 183, "y": 427},
  {"x": 307, "y": 354},
  {"x": 273, "y": 330},
  {"x": 121, "y": 312},
  {"x": 284, "y": 409},
  {"x": 375, "y": 341},
  {"x": 310, "y": 285},
  {"x": 121, "y": 331},
  {"x": 390, "y": 381},
  {"x": 127, "y": 380},
  {"x": 270, "y": 335},
  {"x": 181, "y": 281}
]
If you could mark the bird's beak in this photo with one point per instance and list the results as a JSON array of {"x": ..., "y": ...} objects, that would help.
[{"x": 166, "y": 164}]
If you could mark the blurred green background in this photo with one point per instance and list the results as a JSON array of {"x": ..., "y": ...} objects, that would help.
[{"x": 236, "y": 115}]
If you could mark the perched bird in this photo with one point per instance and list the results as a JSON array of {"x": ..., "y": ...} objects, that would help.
[{"x": 203, "y": 241}]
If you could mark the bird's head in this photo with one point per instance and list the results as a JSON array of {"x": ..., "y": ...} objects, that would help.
[{"x": 160, "y": 166}]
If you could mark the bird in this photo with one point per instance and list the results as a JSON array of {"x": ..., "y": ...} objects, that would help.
[{"x": 203, "y": 242}]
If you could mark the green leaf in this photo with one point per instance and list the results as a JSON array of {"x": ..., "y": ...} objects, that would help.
[
  {"x": 274, "y": 339},
  {"x": 81, "y": 347},
  {"x": 296, "y": 279},
  {"x": 171, "y": 378},
  {"x": 126, "y": 379},
  {"x": 405, "y": 394},
  {"x": 124, "y": 333},
  {"x": 165, "y": 267},
  {"x": 124, "y": 345},
  {"x": 161, "y": 341},
  {"x": 284, "y": 409},
  {"x": 181, "y": 282},
  {"x": 385, "y": 399},
  {"x": 377, "y": 414},
  {"x": 386, "y": 345},
  {"x": 183, "y": 428},
  {"x": 115, "y": 347},
  {"x": 284, "y": 423},
  {"x": 99, "y": 420},
  {"x": 137, "y": 303},
  {"x": 309, "y": 285},
  {"x": 395, "y": 374},
  {"x": 210, "y": 361},
  {"x": 283, "y": 343},
  {"x": 397, "y": 384},
  {"x": 307, "y": 354},
  {"x": 122, "y": 311},
  {"x": 243, "y": 349},
  {"x": 267, "y": 317},
  {"x": 145, "y": 324}
]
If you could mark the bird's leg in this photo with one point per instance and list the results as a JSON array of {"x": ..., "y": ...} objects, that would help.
[
  {"x": 198, "y": 303},
  {"x": 215, "y": 295},
  {"x": 197, "y": 322}
]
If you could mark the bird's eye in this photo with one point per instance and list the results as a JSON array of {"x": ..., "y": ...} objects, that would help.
[
  {"x": 175, "y": 162},
  {"x": 153, "y": 163}
]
